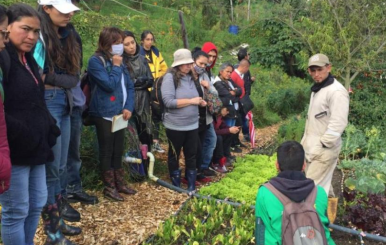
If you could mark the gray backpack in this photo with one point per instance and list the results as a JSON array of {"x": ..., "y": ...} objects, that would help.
[{"x": 301, "y": 223}]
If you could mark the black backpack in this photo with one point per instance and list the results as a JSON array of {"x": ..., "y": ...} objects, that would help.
[{"x": 157, "y": 104}]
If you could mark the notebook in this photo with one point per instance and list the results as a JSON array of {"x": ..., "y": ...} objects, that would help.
[{"x": 118, "y": 123}]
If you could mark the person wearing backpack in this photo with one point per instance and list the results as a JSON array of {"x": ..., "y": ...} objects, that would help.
[
  {"x": 181, "y": 101},
  {"x": 112, "y": 95},
  {"x": 277, "y": 223}
]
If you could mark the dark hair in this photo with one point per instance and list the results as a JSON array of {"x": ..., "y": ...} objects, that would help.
[
  {"x": 198, "y": 54},
  {"x": 20, "y": 10},
  {"x": 290, "y": 156},
  {"x": 3, "y": 13},
  {"x": 177, "y": 75},
  {"x": 243, "y": 52},
  {"x": 125, "y": 56},
  {"x": 145, "y": 33},
  {"x": 66, "y": 57},
  {"x": 107, "y": 37}
]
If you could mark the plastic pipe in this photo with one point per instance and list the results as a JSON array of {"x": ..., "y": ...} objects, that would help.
[
  {"x": 358, "y": 233},
  {"x": 151, "y": 166},
  {"x": 133, "y": 160}
]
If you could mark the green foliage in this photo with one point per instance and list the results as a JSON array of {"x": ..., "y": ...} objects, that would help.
[
  {"x": 276, "y": 95},
  {"x": 242, "y": 183},
  {"x": 369, "y": 175},
  {"x": 292, "y": 130},
  {"x": 206, "y": 222},
  {"x": 369, "y": 92}
]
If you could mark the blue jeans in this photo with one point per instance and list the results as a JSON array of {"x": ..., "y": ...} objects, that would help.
[
  {"x": 56, "y": 100},
  {"x": 230, "y": 122},
  {"x": 209, "y": 146},
  {"x": 74, "y": 182},
  {"x": 22, "y": 204}
]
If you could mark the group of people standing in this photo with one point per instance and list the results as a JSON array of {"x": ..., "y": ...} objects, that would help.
[{"x": 41, "y": 106}]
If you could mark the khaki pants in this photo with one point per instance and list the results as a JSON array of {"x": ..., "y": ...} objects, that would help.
[{"x": 321, "y": 169}]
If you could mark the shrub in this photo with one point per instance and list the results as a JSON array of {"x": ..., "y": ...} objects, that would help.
[{"x": 292, "y": 130}]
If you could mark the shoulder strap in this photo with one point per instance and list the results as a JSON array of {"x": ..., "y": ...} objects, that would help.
[
  {"x": 282, "y": 198},
  {"x": 102, "y": 59},
  {"x": 312, "y": 196}
]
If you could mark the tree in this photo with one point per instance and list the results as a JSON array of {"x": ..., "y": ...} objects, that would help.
[{"x": 350, "y": 32}]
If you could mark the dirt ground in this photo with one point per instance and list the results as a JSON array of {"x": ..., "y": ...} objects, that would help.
[{"x": 132, "y": 221}]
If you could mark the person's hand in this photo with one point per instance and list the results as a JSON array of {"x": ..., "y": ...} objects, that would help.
[
  {"x": 234, "y": 130},
  {"x": 203, "y": 103},
  {"x": 205, "y": 84},
  {"x": 253, "y": 79},
  {"x": 233, "y": 92},
  {"x": 44, "y": 77},
  {"x": 126, "y": 114},
  {"x": 195, "y": 100},
  {"x": 117, "y": 60}
]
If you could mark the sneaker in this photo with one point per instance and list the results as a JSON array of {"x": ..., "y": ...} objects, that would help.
[
  {"x": 157, "y": 147},
  {"x": 203, "y": 179},
  {"x": 236, "y": 149},
  {"x": 229, "y": 163},
  {"x": 208, "y": 172},
  {"x": 242, "y": 145},
  {"x": 218, "y": 168},
  {"x": 247, "y": 138}
]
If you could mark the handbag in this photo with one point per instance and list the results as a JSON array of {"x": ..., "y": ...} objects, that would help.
[
  {"x": 246, "y": 103},
  {"x": 214, "y": 103}
]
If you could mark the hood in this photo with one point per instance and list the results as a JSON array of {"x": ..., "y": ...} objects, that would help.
[
  {"x": 207, "y": 47},
  {"x": 293, "y": 184}
]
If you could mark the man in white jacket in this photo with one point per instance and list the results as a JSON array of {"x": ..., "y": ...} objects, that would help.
[{"x": 326, "y": 120}]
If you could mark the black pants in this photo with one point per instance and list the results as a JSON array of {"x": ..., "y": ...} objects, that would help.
[
  {"x": 143, "y": 135},
  {"x": 110, "y": 144},
  {"x": 222, "y": 147},
  {"x": 157, "y": 120},
  {"x": 239, "y": 122},
  {"x": 182, "y": 139}
]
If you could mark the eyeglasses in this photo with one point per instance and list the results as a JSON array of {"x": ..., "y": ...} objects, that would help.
[{"x": 5, "y": 34}]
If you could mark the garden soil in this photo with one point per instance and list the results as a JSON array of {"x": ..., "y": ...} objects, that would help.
[{"x": 132, "y": 221}]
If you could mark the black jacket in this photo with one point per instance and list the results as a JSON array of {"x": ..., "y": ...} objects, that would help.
[
  {"x": 32, "y": 131},
  {"x": 247, "y": 82},
  {"x": 228, "y": 100}
]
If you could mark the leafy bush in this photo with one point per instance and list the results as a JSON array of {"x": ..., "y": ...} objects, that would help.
[
  {"x": 289, "y": 101},
  {"x": 242, "y": 183},
  {"x": 369, "y": 92},
  {"x": 292, "y": 130}
]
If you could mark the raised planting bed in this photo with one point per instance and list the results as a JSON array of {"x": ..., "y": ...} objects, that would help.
[
  {"x": 242, "y": 184},
  {"x": 205, "y": 222}
]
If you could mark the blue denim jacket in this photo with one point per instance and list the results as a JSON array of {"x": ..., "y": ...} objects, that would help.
[{"x": 106, "y": 88}]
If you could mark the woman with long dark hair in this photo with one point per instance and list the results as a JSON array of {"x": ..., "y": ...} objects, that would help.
[
  {"x": 112, "y": 95},
  {"x": 31, "y": 131},
  {"x": 61, "y": 72},
  {"x": 142, "y": 78},
  {"x": 158, "y": 68}
]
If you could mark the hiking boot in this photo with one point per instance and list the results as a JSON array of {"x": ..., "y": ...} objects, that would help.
[
  {"x": 218, "y": 168},
  {"x": 208, "y": 172},
  {"x": 110, "y": 190},
  {"x": 82, "y": 197},
  {"x": 202, "y": 178},
  {"x": 120, "y": 182},
  {"x": 157, "y": 147},
  {"x": 51, "y": 219},
  {"x": 236, "y": 149},
  {"x": 67, "y": 212}
]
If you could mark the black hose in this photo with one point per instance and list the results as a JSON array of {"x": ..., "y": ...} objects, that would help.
[{"x": 236, "y": 204}]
